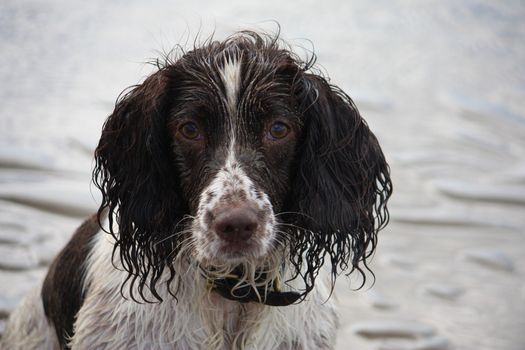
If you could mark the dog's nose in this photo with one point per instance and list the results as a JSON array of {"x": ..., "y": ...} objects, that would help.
[{"x": 236, "y": 224}]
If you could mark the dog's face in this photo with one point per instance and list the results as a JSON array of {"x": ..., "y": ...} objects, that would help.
[{"x": 234, "y": 152}]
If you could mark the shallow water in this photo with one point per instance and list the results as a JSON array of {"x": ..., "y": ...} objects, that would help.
[{"x": 442, "y": 84}]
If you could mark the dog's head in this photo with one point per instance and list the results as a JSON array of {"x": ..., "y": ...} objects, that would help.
[{"x": 237, "y": 155}]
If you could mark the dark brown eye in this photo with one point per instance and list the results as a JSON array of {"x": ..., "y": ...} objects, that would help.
[
  {"x": 278, "y": 130},
  {"x": 190, "y": 130}
]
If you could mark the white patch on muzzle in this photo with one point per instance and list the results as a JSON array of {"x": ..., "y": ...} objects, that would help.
[{"x": 232, "y": 187}]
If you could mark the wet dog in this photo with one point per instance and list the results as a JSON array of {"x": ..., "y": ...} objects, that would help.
[{"x": 237, "y": 185}]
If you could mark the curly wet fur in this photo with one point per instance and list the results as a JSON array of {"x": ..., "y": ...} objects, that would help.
[
  {"x": 340, "y": 184},
  {"x": 320, "y": 196},
  {"x": 198, "y": 319}
]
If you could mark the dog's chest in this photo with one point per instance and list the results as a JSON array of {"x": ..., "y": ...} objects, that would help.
[
  {"x": 211, "y": 323},
  {"x": 196, "y": 319},
  {"x": 214, "y": 324}
]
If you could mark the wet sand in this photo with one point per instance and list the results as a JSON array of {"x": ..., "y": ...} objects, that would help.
[{"x": 441, "y": 84}]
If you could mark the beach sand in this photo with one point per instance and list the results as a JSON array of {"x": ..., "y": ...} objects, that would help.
[{"x": 441, "y": 83}]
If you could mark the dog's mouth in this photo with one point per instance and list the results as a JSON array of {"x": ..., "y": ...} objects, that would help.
[{"x": 268, "y": 292}]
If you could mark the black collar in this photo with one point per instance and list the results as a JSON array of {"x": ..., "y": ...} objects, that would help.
[{"x": 244, "y": 294}]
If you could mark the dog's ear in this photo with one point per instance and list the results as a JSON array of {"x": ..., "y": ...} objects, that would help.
[
  {"x": 136, "y": 174},
  {"x": 341, "y": 185}
]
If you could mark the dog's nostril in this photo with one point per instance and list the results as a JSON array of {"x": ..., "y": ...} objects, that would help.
[{"x": 236, "y": 224}]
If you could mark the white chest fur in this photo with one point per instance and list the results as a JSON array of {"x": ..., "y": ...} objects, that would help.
[{"x": 196, "y": 320}]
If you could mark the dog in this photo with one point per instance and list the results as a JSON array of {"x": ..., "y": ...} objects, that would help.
[{"x": 237, "y": 185}]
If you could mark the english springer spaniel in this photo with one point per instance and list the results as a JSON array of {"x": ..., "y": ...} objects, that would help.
[{"x": 237, "y": 185}]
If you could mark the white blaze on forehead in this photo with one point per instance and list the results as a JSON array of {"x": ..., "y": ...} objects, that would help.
[{"x": 231, "y": 78}]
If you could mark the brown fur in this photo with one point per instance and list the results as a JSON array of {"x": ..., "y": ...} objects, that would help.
[{"x": 62, "y": 291}]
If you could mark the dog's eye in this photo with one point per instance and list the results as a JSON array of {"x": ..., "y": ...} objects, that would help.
[
  {"x": 278, "y": 130},
  {"x": 190, "y": 130}
]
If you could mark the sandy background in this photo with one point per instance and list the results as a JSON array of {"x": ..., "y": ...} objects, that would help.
[{"x": 442, "y": 84}]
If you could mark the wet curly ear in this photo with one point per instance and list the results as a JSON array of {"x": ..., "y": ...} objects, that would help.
[
  {"x": 341, "y": 185},
  {"x": 135, "y": 173}
]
